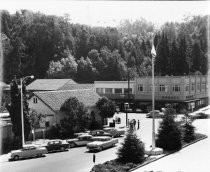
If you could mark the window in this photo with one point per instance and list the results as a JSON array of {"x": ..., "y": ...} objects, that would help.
[
  {"x": 99, "y": 90},
  {"x": 35, "y": 100},
  {"x": 187, "y": 88},
  {"x": 198, "y": 87},
  {"x": 47, "y": 124},
  {"x": 140, "y": 87},
  {"x": 108, "y": 90},
  {"x": 176, "y": 88},
  {"x": 203, "y": 86},
  {"x": 192, "y": 87},
  {"x": 126, "y": 90},
  {"x": 118, "y": 90},
  {"x": 163, "y": 88}
]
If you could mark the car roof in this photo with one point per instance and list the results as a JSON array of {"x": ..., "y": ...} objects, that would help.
[
  {"x": 102, "y": 137},
  {"x": 85, "y": 135}
]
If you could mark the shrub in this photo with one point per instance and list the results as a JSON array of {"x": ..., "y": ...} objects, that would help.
[
  {"x": 169, "y": 135},
  {"x": 112, "y": 166},
  {"x": 188, "y": 132},
  {"x": 132, "y": 149}
]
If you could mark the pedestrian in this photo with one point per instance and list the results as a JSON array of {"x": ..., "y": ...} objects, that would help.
[
  {"x": 138, "y": 124},
  {"x": 134, "y": 123}
]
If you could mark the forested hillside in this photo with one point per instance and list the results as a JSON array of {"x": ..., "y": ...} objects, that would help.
[{"x": 52, "y": 47}]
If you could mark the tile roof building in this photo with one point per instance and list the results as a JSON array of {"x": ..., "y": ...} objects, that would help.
[
  {"x": 49, "y": 103},
  {"x": 49, "y": 84},
  {"x": 54, "y": 99}
]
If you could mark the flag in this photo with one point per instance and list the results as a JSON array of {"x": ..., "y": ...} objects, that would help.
[{"x": 153, "y": 52}]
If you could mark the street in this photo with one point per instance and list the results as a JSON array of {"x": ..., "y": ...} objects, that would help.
[
  {"x": 80, "y": 160},
  {"x": 77, "y": 159}
]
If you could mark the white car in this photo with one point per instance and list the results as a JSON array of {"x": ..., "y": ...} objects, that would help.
[
  {"x": 158, "y": 114},
  {"x": 27, "y": 152},
  {"x": 101, "y": 143},
  {"x": 82, "y": 140},
  {"x": 115, "y": 132}
]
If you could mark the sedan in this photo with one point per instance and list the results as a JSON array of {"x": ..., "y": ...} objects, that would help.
[
  {"x": 101, "y": 143},
  {"x": 158, "y": 114},
  {"x": 27, "y": 152},
  {"x": 115, "y": 132},
  {"x": 99, "y": 133},
  {"x": 57, "y": 145}
]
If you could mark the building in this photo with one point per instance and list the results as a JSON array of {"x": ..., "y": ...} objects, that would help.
[
  {"x": 49, "y": 103},
  {"x": 49, "y": 84},
  {"x": 189, "y": 91}
]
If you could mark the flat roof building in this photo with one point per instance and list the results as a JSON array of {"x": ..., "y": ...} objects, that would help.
[{"x": 190, "y": 91}]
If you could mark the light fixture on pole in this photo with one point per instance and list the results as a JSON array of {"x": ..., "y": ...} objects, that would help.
[{"x": 22, "y": 116}]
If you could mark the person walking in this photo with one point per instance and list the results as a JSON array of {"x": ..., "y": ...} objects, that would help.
[
  {"x": 134, "y": 123},
  {"x": 138, "y": 124}
]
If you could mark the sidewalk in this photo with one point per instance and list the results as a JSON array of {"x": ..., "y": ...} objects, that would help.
[{"x": 193, "y": 158}]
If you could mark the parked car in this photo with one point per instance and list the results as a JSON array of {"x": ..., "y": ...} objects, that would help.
[
  {"x": 102, "y": 143},
  {"x": 27, "y": 152},
  {"x": 99, "y": 133},
  {"x": 158, "y": 114},
  {"x": 115, "y": 132},
  {"x": 138, "y": 110},
  {"x": 199, "y": 115},
  {"x": 81, "y": 140},
  {"x": 57, "y": 145}
]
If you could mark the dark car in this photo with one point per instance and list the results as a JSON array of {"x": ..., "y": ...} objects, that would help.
[
  {"x": 99, "y": 133},
  {"x": 57, "y": 145}
]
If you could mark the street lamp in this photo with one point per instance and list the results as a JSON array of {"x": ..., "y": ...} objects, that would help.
[
  {"x": 21, "y": 94},
  {"x": 126, "y": 111}
]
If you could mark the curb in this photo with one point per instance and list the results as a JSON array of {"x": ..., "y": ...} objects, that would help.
[{"x": 139, "y": 166}]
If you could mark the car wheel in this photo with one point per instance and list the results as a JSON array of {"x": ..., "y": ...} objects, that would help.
[
  {"x": 39, "y": 155},
  {"x": 16, "y": 157},
  {"x": 62, "y": 149},
  {"x": 72, "y": 145},
  {"x": 100, "y": 148}
]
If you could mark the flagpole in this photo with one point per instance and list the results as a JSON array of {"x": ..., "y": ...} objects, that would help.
[{"x": 153, "y": 101}]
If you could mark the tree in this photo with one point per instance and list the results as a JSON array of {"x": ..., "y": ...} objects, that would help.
[
  {"x": 14, "y": 109},
  {"x": 132, "y": 149},
  {"x": 196, "y": 57},
  {"x": 76, "y": 115},
  {"x": 169, "y": 134},
  {"x": 35, "y": 119},
  {"x": 106, "y": 107},
  {"x": 188, "y": 128},
  {"x": 65, "y": 68}
]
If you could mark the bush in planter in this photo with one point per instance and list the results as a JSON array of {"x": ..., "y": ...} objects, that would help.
[
  {"x": 169, "y": 135},
  {"x": 188, "y": 132},
  {"x": 113, "y": 166},
  {"x": 132, "y": 149}
]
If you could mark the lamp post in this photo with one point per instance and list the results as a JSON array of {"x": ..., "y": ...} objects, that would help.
[
  {"x": 126, "y": 111},
  {"x": 21, "y": 94}
]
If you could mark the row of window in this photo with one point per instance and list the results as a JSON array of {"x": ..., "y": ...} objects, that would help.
[
  {"x": 175, "y": 88},
  {"x": 116, "y": 90},
  {"x": 162, "y": 88}
]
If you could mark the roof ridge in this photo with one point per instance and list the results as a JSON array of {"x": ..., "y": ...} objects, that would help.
[{"x": 63, "y": 90}]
